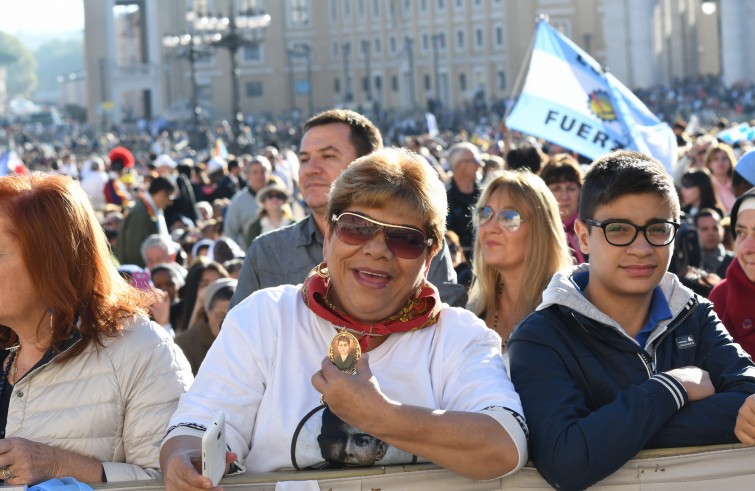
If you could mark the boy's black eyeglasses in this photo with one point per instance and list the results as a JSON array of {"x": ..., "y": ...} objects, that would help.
[{"x": 621, "y": 234}]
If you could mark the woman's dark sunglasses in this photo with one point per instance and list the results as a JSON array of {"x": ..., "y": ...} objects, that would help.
[{"x": 404, "y": 242}]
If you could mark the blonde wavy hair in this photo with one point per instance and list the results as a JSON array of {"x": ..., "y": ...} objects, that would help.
[{"x": 547, "y": 249}]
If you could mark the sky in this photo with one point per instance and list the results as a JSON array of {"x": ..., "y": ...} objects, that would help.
[{"x": 42, "y": 16}]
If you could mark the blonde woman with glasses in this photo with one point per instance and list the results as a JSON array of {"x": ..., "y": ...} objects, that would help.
[{"x": 519, "y": 245}]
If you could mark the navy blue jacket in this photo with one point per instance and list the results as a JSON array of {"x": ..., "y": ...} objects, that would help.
[{"x": 593, "y": 397}]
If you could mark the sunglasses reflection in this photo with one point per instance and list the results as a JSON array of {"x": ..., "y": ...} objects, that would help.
[
  {"x": 357, "y": 229},
  {"x": 507, "y": 219}
]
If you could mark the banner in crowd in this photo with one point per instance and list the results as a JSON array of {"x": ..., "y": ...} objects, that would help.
[
  {"x": 569, "y": 100},
  {"x": 10, "y": 162},
  {"x": 737, "y": 133}
]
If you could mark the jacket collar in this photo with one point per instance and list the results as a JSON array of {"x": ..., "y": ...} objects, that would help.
[{"x": 563, "y": 291}]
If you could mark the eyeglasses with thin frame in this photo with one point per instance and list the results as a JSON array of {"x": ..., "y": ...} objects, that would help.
[
  {"x": 509, "y": 220},
  {"x": 357, "y": 229},
  {"x": 621, "y": 233}
]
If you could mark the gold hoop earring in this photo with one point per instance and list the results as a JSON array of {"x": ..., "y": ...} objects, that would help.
[
  {"x": 51, "y": 310},
  {"x": 321, "y": 270}
]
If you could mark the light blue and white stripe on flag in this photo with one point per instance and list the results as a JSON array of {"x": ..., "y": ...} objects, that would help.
[
  {"x": 737, "y": 133},
  {"x": 569, "y": 100}
]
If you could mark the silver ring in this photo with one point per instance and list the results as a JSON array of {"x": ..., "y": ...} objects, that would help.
[{"x": 7, "y": 473}]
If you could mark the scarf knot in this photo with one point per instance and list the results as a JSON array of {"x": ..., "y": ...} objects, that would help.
[{"x": 421, "y": 310}]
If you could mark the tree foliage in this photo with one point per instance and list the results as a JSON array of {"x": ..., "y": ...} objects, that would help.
[
  {"x": 22, "y": 78},
  {"x": 58, "y": 58}
]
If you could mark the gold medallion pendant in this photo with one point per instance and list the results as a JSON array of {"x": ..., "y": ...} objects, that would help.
[{"x": 345, "y": 351}]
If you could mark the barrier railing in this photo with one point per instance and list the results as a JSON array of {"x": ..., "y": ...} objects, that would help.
[{"x": 728, "y": 467}]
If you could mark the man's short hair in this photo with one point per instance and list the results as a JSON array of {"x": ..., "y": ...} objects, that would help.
[
  {"x": 161, "y": 184},
  {"x": 708, "y": 212},
  {"x": 525, "y": 157},
  {"x": 621, "y": 173},
  {"x": 365, "y": 137}
]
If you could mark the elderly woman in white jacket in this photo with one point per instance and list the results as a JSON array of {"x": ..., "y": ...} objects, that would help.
[{"x": 88, "y": 382}]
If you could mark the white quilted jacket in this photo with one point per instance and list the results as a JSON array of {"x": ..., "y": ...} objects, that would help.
[{"x": 111, "y": 404}]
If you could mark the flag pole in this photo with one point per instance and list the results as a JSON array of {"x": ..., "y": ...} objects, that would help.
[{"x": 525, "y": 63}]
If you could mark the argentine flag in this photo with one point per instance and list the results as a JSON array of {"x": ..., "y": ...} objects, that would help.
[
  {"x": 569, "y": 100},
  {"x": 736, "y": 134}
]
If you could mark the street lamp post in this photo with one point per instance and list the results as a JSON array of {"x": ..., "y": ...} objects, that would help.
[
  {"x": 367, "y": 73},
  {"x": 187, "y": 46},
  {"x": 299, "y": 50},
  {"x": 240, "y": 29},
  {"x": 409, "y": 42},
  {"x": 346, "y": 74},
  {"x": 103, "y": 94},
  {"x": 308, "y": 50},
  {"x": 436, "y": 69}
]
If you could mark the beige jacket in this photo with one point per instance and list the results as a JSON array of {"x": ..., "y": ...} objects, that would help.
[{"x": 110, "y": 404}]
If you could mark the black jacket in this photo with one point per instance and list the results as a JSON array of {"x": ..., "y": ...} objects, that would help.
[{"x": 593, "y": 397}]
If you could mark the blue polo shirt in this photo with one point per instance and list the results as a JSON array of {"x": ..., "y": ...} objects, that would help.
[{"x": 659, "y": 308}]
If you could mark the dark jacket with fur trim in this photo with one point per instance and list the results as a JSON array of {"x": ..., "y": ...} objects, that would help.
[{"x": 594, "y": 398}]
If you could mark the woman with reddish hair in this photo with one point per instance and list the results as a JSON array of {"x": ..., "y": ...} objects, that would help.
[
  {"x": 563, "y": 176},
  {"x": 88, "y": 382},
  {"x": 719, "y": 160}
]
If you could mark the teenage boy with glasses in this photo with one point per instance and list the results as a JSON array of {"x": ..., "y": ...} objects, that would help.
[{"x": 620, "y": 356}]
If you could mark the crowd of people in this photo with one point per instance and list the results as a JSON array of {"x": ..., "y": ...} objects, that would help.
[{"x": 507, "y": 299}]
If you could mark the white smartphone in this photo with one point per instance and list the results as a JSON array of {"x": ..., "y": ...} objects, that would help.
[{"x": 214, "y": 449}]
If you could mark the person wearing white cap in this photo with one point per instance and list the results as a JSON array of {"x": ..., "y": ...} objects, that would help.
[
  {"x": 164, "y": 165},
  {"x": 216, "y": 165},
  {"x": 732, "y": 298}
]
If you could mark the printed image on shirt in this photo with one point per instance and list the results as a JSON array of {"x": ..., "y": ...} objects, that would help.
[{"x": 327, "y": 442}]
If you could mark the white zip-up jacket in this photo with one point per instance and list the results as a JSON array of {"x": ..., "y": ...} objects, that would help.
[{"x": 110, "y": 403}]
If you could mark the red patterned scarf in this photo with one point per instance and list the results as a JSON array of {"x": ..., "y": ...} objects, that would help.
[{"x": 422, "y": 310}]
